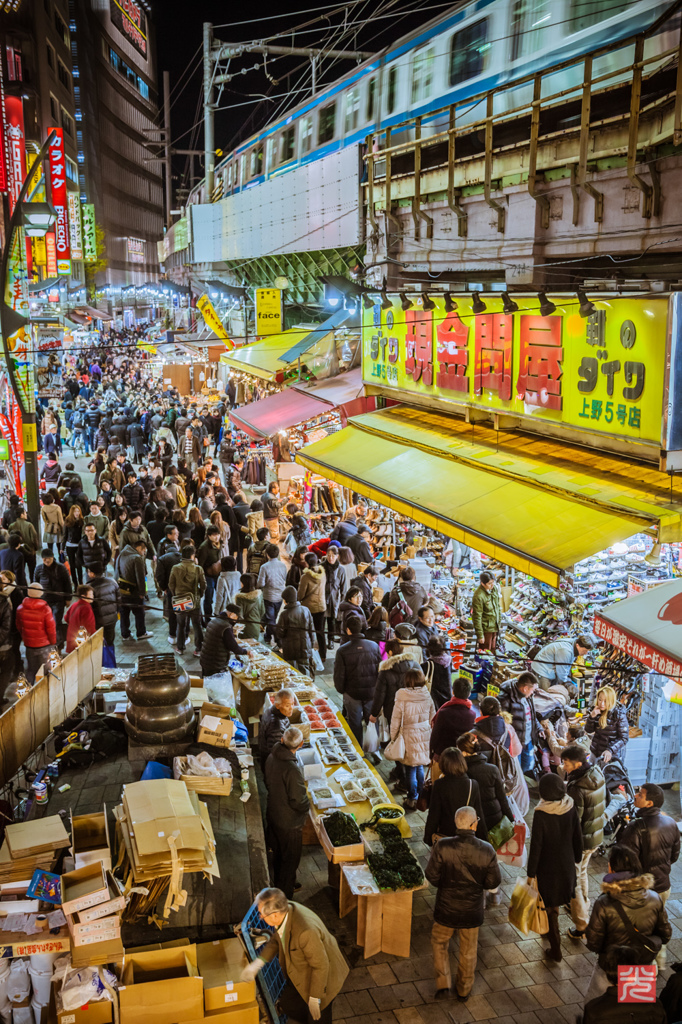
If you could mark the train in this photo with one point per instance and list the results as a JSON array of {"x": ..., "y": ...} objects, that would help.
[{"x": 471, "y": 49}]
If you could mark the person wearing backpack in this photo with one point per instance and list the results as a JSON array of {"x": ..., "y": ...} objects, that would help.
[
  {"x": 587, "y": 788},
  {"x": 491, "y": 788},
  {"x": 406, "y": 598},
  {"x": 628, "y": 912}
]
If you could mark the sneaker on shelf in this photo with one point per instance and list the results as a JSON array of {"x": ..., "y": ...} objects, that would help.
[{"x": 145, "y": 636}]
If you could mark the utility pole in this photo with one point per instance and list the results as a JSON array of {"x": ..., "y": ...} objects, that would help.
[
  {"x": 167, "y": 146},
  {"x": 209, "y": 109}
]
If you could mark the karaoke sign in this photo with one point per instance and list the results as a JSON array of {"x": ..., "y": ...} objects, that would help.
[{"x": 59, "y": 201}]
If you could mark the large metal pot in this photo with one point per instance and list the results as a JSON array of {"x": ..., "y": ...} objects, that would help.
[{"x": 159, "y": 708}]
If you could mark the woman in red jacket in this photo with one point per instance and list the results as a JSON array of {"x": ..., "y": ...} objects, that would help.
[
  {"x": 36, "y": 625},
  {"x": 80, "y": 615}
]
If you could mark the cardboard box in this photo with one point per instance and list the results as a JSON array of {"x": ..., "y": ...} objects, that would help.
[
  {"x": 158, "y": 808},
  {"x": 41, "y": 835},
  {"x": 204, "y": 784},
  {"x": 220, "y": 965},
  {"x": 246, "y": 1014},
  {"x": 114, "y": 905},
  {"x": 339, "y": 854},
  {"x": 84, "y": 888},
  {"x": 160, "y": 987},
  {"x": 90, "y": 839},
  {"x": 101, "y": 1012},
  {"x": 92, "y": 954},
  {"x": 216, "y": 728},
  {"x": 104, "y": 930}
]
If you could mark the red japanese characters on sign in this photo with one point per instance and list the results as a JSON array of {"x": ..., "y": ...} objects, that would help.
[
  {"x": 493, "y": 354},
  {"x": 59, "y": 200},
  {"x": 637, "y": 984},
  {"x": 418, "y": 345},
  {"x": 638, "y": 649},
  {"x": 16, "y": 147},
  {"x": 451, "y": 355},
  {"x": 539, "y": 380}
]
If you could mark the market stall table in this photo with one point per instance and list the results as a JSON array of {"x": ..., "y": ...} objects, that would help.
[{"x": 384, "y": 918}]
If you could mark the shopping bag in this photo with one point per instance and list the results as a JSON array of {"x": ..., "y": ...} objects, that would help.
[
  {"x": 523, "y": 905},
  {"x": 370, "y": 742},
  {"x": 108, "y": 656},
  {"x": 383, "y": 729},
  {"x": 538, "y": 922},
  {"x": 317, "y": 661},
  {"x": 395, "y": 750},
  {"x": 514, "y": 852},
  {"x": 500, "y": 833}
]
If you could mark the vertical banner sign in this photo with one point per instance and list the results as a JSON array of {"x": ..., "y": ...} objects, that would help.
[
  {"x": 58, "y": 176},
  {"x": 39, "y": 251},
  {"x": 75, "y": 232},
  {"x": 268, "y": 311},
  {"x": 212, "y": 320},
  {"x": 89, "y": 239},
  {"x": 16, "y": 147},
  {"x": 51, "y": 254},
  {"x": 4, "y": 176}
]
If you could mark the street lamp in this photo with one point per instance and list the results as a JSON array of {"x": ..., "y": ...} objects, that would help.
[
  {"x": 11, "y": 322},
  {"x": 38, "y": 219}
]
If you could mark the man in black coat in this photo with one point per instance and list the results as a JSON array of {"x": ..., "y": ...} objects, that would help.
[
  {"x": 295, "y": 631},
  {"x": 92, "y": 550},
  {"x": 219, "y": 641},
  {"x": 654, "y": 836},
  {"x": 288, "y": 806},
  {"x": 516, "y": 697},
  {"x": 55, "y": 580},
  {"x": 355, "y": 676},
  {"x": 461, "y": 868},
  {"x": 606, "y": 1009},
  {"x": 133, "y": 493},
  {"x": 171, "y": 556},
  {"x": 359, "y": 545},
  {"x": 365, "y": 583},
  {"x": 107, "y": 601}
]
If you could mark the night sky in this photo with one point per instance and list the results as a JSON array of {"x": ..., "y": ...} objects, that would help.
[{"x": 179, "y": 35}]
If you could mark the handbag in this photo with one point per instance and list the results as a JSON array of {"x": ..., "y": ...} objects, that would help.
[
  {"x": 539, "y": 922},
  {"x": 183, "y": 604},
  {"x": 428, "y": 676},
  {"x": 524, "y": 904},
  {"x": 513, "y": 852},
  {"x": 395, "y": 750},
  {"x": 500, "y": 833},
  {"x": 647, "y": 946}
]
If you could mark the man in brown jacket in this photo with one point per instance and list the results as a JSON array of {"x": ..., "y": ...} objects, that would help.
[{"x": 308, "y": 954}]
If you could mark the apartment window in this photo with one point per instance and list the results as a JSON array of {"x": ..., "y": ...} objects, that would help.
[
  {"x": 14, "y": 67},
  {"x": 60, "y": 25},
  {"x": 67, "y": 123},
  {"x": 51, "y": 59},
  {"x": 327, "y": 124},
  {"x": 352, "y": 109},
  {"x": 306, "y": 134},
  {"x": 287, "y": 144},
  {"x": 71, "y": 170},
  {"x": 123, "y": 69},
  {"x": 64, "y": 75},
  {"x": 54, "y": 109}
]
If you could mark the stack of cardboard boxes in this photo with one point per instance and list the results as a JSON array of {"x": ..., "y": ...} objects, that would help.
[
  {"x": 92, "y": 902},
  {"x": 31, "y": 845}
]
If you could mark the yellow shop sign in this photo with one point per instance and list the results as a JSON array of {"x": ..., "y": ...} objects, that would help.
[
  {"x": 269, "y": 311},
  {"x": 603, "y": 373}
]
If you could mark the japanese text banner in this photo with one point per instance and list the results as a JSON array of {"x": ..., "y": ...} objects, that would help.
[{"x": 603, "y": 373}]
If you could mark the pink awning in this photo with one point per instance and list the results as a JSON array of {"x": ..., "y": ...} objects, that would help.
[{"x": 278, "y": 412}]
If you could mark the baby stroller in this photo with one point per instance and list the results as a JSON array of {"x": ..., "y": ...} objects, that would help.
[{"x": 620, "y": 801}]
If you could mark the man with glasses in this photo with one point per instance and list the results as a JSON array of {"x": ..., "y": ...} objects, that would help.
[
  {"x": 309, "y": 955},
  {"x": 462, "y": 868}
]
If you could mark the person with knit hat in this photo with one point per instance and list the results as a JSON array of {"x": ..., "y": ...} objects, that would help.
[
  {"x": 295, "y": 631},
  {"x": 38, "y": 630},
  {"x": 556, "y": 846}
]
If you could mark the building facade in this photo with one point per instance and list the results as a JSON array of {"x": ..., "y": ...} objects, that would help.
[{"x": 117, "y": 114}]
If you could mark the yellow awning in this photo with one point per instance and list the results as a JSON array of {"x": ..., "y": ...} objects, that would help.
[
  {"x": 263, "y": 358},
  {"x": 530, "y": 513}
]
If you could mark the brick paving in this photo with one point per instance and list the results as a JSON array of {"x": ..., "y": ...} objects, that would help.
[{"x": 514, "y": 984}]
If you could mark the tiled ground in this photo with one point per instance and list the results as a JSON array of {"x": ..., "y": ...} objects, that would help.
[{"x": 514, "y": 984}]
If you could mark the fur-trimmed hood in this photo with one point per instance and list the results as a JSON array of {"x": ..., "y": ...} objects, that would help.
[
  {"x": 395, "y": 659},
  {"x": 251, "y": 595},
  {"x": 624, "y": 886},
  {"x": 314, "y": 571}
]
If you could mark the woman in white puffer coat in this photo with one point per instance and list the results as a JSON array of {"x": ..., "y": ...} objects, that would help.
[{"x": 413, "y": 713}]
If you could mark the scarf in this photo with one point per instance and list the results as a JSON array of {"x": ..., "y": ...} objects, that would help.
[
  {"x": 455, "y": 700},
  {"x": 555, "y": 806}
]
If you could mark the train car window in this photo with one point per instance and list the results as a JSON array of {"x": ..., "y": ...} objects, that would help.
[
  {"x": 531, "y": 21},
  {"x": 371, "y": 99},
  {"x": 287, "y": 144},
  {"x": 584, "y": 13},
  {"x": 236, "y": 173},
  {"x": 228, "y": 178},
  {"x": 392, "y": 90},
  {"x": 306, "y": 134},
  {"x": 326, "y": 126},
  {"x": 422, "y": 74},
  {"x": 270, "y": 155},
  {"x": 256, "y": 165},
  {"x": 352, "y": 108},
  {"x": 469, "y": 52}
]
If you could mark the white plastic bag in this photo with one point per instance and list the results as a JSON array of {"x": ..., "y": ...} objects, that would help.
[
  {"x": 383, "y": 729},
  {"x": 85, "y": 986},
  {"x": 317, "y": 661},
  {"x": 219, "y": 689},
  {"x": 19, "y": 983},
  {"x": 370, "y": 742}
]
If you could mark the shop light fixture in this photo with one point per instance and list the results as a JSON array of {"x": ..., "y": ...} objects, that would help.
[
  {"x": 385, "y": 301},
  {"x": 587, "y": 308},
  {"x": 427, "y": 301},
  {"x": 405, "y": 302},
  {"x": 450, "y": 304},
  {"x": 37, "y": 218},
  {"x": 508, "y": 304},
  {"x": 367, "y": 301},
  {"x": 546, "y": 307},
  {"x": 477, "y": 303}
]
